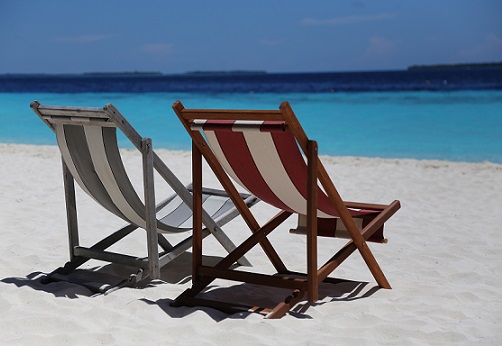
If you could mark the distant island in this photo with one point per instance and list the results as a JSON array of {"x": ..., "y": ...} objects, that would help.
[
  {"x": 225, "y": 72},
  {"x": 131, "y": 73},
  {"x": 455, "y": 66}
]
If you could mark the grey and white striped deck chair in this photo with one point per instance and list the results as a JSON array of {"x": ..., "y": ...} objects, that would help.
[{"x": 87, "y": 139}]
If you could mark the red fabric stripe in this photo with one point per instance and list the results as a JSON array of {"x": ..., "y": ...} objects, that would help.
[
  {"x": 218, "y": 125},
  {"x": 296, "y": 168},
  {"x": 240, "y": 159},
  {"x": 327, "y": 227},
  {"x": 272, "y": 126},
  {"x": 237, "y": 153}
]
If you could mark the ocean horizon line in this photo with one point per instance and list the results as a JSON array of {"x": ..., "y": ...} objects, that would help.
[
  {"x": 136, "y": 73},
  {"x": 129, "y": 148}
]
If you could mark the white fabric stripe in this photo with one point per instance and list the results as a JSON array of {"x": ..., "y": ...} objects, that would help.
[
  {"x": 188, "y": 224},
  {"x": 211, "y": 205},
  {"x": 94, "y": 135},
  {"x": 215, "y": 146},
  {"x": 61, "y": 139},
  {"x": 247, "y": 125},
  {"x": 197, "y": 124},
  {"x": 268, "y": 161}
]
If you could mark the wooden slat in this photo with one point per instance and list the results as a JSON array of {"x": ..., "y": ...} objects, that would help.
[
  {"x": 312, "y": 222},
  {"x": 197, "y": 212},
  {"x": 111, "y": 257},
  {"x": 282, "y": 308},
  {"x": 150, "y": 219},
  {"x": 124, "y": 125},
  {"x": 366, "y": 206},
  {"x": 79, "y": 121},
  {"x": 73, "y": 112},
  {"x": 212, "y": 114},
  {"x": 282, "y": 281}
]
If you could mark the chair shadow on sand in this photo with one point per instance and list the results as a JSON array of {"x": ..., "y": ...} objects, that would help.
[
  {"x": 102, "y": 278},
  {"x": 178, "y": 272},
  {"x": 330, "y": 291}
]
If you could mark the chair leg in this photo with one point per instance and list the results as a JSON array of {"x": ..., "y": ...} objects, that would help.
[
  {"x": 197, "y": 212},
  {"x": 151, "y": 221},
  {"x": 312, "y": 277},
  {"x": 71, "y": 210},
  {"x": 79, "y": 259}
]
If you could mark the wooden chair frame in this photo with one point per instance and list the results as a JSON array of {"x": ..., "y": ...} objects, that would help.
[{"x": 308, "y": 284}]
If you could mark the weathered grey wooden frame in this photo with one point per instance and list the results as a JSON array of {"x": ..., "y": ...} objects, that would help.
[{"x": 150, "y": 266}]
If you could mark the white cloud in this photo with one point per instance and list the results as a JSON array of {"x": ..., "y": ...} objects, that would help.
[
  {"x": 380, "y": 47},
  {"x": 158, "y": 48},
  {"x": 346, "y": 20},
  {"x": 85, "y": 38},
  {"x": 494, "y": 40},
  {"x": 379, "y": 53},
  {"x": 490, "y": 48},
  {"x": 269, "y": 42}
]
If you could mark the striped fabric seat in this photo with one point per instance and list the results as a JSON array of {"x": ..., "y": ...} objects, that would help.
[
  {"x": 87, "y": 139},
  {"x": 268, "y": 153},
  {"x": 264, "y": 158},
  {"x": 93, "y": 158}
]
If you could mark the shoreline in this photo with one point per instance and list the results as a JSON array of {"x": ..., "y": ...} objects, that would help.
[
  {"x": 440, "y": 162},
  {"x": 442, "y": 260}
]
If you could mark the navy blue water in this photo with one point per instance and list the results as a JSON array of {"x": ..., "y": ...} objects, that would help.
[{"x": 451, "y": 114}]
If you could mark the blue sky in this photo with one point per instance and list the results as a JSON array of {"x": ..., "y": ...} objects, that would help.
[{"x": 63, "y": 36}]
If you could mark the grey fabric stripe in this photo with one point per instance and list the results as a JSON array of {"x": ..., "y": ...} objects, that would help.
[
  {"x": 177, "y": 219},
  {"x": 179, "y": 215},
  {"x": 223, "y": 208},
  {"x": 81, "y": 157},
  {"x": 215, "y": 206},
  {"x": 65, "y": 153}
]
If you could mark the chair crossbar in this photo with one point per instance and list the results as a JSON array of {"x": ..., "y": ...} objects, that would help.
[
  {"x": 238, "y": 125},
  {"x": 280, "y": 281},
  {"x": 82, "y": 121},
  {"x": 111, "y": 257},
  {"x": 76, "y": 112},
  {"x": 213, "y": 114}
]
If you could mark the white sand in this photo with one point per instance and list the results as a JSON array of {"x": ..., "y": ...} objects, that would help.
[{"x": 442, "y": 260}]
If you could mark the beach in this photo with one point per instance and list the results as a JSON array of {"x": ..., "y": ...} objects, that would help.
[{"x": 442, "y": 261}]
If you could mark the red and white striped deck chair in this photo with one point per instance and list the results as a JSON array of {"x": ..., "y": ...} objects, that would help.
[
  {"x": 87, "y": 139},
  {"x": 262, "y": 151}
]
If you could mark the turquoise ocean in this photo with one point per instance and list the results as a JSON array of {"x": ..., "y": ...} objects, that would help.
[{"x": 400, "y": 114}]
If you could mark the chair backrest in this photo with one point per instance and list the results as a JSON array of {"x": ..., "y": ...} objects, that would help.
[
  {"x": 265, "y": 152},
  {"x": 87, "y": 139},
  {"x": 261, "y": 152}
]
